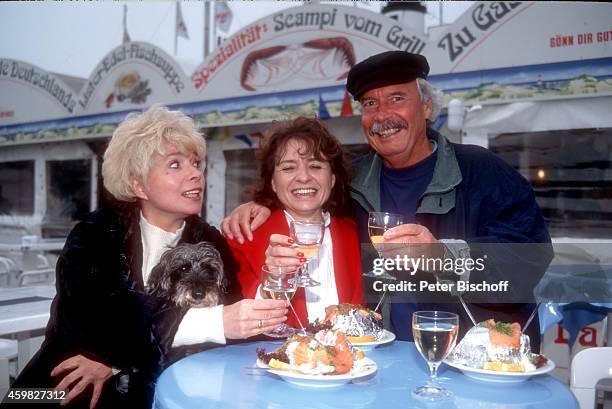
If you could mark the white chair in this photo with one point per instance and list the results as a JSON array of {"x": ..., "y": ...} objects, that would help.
[
  {"x": 44, "y": 271},
  {"x": 7, "y": 267},
  {"x": 588, "y": 367},
  {"x": 42, "y": 261},
  {"x": 8, "y": 351},
  {"x": 43, "y": 275}
]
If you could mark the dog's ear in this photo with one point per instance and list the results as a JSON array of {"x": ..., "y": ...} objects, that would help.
[
  {"x": 158, "y": 286},
  {"x": 224, "y": 284},
  {"x": 215, "y": 261}
]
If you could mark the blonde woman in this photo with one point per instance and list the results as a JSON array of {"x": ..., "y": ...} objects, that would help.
[{"x": 106, "y": 337}]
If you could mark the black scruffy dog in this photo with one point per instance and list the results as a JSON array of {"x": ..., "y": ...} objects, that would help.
[{"x": 190, "y": 275}]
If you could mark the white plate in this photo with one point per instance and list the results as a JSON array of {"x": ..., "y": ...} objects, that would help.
[
  {"x": 386, "y": 338},
  {"x": 498, "y": 376},
  {"x": 364, "y": 368}
]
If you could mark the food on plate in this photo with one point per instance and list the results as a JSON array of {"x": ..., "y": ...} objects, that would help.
[
  {"x": 359, "y": 323},
  {"x": 497, "y": 346},
  {"x": 326, "y": 353},
  {"x": 504, "y": 366},
  {"x": 502, "y": 334}
]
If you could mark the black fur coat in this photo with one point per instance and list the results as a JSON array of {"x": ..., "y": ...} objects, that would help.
[{"x": 102, "y": 311}]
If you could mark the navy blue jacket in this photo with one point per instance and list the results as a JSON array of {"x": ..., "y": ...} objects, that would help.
[{"x": 475, "y": 196}]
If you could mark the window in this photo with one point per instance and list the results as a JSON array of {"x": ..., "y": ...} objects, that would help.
[
  {"x": 240, "y": 175},
  {"x": 68, "y": 195},
  {"x": 17, "y": 188},
  {"x": 571, "y": 173}
]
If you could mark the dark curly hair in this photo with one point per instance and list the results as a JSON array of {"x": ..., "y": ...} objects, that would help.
[{"x": 319, "y": 143}]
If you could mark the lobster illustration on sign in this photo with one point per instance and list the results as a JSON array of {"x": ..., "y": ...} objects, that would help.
[{"x": 320, "y": 59}]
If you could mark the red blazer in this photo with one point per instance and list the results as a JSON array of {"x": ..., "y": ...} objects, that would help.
[{"x": 346, "y": 253}]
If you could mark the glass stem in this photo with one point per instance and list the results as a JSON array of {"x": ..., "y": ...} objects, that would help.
[
  {"x": 304, "y": 273},
  {"x": 296, "y": 316},
  {"x": 433, "y": 371}
]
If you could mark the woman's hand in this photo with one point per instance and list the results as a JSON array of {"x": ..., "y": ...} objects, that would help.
[
  {"x": 82, "y": 372},
  {"x": 281, "y": 253},
  {"x": 243, "y": 220},
  {"x": 247, "y": 317}
]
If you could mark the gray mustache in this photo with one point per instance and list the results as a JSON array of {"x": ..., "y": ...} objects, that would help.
[{"x": 379, "y": 127}]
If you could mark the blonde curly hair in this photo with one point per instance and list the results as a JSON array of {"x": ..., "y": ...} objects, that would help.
[{"x": 138, "y": 138}]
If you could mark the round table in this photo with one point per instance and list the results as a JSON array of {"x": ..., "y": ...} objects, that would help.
[{"x": 223, "y": 378}]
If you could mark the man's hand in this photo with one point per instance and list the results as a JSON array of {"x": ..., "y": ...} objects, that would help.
[
  {"x": 281, "y": 253},
  {"x": 82, "y": 372},
  {"x": 247, "y": 318},
  {"x": 243, "y": 220},
  {"x": 412, "y": 240}
]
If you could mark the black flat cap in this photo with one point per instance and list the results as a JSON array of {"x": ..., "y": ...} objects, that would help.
[{"x": 388, "y": 68}]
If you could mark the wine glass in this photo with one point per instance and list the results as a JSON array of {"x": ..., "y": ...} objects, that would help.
[
  {"x": 378, "y": 224},
  {"x": 435, "y": 334},
  {"x": 308, "y": 238},
  {"x": 279, "y": 283}
]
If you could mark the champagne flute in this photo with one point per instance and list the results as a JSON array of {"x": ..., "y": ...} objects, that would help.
[
  {"x": 378, "y": 224},
  {"x": 435, "y": 335},
  {"x": 308, "y": 238},
  {"x": 279, "y": 283}
]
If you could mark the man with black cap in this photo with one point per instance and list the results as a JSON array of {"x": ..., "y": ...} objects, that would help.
[{"x": 448, "y": 193}]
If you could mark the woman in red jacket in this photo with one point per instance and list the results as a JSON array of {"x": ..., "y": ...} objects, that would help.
[{"x": 303, "y": 176}]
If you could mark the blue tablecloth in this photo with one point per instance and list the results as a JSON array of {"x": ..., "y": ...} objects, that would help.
[
  {"x": 218, "y": 378},
  {"x": 573, "y": 316}
]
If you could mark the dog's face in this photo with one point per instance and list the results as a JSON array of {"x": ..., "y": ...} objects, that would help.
[{"x": 190, "y": 275}]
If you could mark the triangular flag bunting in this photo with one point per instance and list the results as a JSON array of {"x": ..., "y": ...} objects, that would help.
[
  {"x": 244, "y": 138},
  {"x": 226, "y": 133},
  {"x": 347, "y": 107},
  {"x": 323, "y": 113}
]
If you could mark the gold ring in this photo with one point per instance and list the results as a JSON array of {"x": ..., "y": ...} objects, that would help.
[{"x": 260, "y": 324}]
